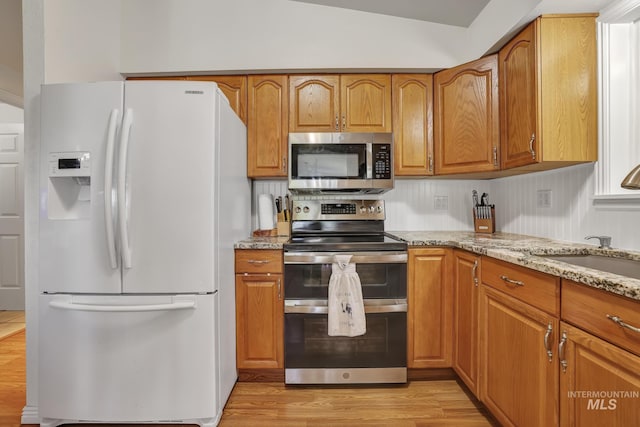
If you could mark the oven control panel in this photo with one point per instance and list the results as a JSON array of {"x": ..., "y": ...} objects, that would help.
[{"x": 310, "y": 210}]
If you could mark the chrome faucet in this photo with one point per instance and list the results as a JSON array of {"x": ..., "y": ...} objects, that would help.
[{"x": 605, "y": 241}]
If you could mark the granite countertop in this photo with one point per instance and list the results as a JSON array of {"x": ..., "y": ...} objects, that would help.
[{"x": 527, "y": 251}]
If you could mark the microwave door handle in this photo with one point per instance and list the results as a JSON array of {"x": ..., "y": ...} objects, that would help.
[{"x": 369, "y": 155}]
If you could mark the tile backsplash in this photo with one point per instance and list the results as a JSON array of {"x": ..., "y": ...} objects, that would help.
[{"x": 441, "y": 204}]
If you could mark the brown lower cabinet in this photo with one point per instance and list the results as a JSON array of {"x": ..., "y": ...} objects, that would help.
[
  {"x": 519, "y": 318},
  {"x": 429, "y": 316},
  {"x": 466, "y": 287},
  {"x": 259, "y": 309}
]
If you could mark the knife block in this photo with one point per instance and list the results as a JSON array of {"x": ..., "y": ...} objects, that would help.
[
  {"x": 284, "y": 228},
  {"x": 485, "y": 225}
]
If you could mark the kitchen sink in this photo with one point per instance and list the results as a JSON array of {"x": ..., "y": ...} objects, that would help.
[{"x": 621, "y": 266}]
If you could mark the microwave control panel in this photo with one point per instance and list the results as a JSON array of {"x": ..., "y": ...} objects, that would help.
[{"x": 381, "y": 161}]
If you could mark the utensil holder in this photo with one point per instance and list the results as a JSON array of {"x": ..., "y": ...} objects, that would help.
[
  {"x": 485, "y": 225},
  {"x": 284, "y": 228}
]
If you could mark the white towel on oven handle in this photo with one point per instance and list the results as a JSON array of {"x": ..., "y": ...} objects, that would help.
[{"x": 346, "y": 306}]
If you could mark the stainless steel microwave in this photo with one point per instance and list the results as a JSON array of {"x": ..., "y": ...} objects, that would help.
[{"x": 338, "y": 163}]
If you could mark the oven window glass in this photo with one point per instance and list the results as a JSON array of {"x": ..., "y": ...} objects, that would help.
[
  {"x": 307, "y": 344},
  {"x": 328, "y": 161},
  {"x": 311, "y": 281}
]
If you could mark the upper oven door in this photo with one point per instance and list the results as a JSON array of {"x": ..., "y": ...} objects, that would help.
[{"x": 382, "y": 274}]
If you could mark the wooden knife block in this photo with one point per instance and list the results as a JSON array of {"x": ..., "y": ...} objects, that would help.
[{"x": 485, "y": 225}]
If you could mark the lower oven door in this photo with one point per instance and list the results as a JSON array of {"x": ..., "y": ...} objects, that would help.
[{"x": 314, "y": 357}]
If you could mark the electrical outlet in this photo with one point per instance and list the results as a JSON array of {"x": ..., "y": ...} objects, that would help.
[
  {"x": 544, "y": 198},
  {"x": 441, "y": 203}
]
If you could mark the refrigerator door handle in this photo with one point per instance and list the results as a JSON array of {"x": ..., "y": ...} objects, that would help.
[
  {"x": 122, "y": 177},
  {"x": 178, "y": 305},
  {"x": 108, "y": 187}
]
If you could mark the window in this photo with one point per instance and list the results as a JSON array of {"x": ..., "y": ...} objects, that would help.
[{"x": 619, "y": 54}]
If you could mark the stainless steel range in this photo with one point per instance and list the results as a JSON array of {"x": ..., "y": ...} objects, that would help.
[{"x": 321, "y": 229}]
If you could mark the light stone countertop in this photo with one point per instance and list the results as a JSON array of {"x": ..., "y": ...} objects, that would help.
[{"x": 527, "y": 251}]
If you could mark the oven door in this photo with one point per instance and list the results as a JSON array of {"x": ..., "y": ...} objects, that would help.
[
  {"x": 382, "y": 274},
  {"x": 314, "y": 357}
]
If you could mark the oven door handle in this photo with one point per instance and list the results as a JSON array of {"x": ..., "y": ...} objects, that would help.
[
  {"x": 391, "y": 257},
  {"x": 321, "y": 307}
]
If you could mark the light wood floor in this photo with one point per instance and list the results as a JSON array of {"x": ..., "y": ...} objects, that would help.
[
  {"x": 11, "y": 322},
  {"x": 419, "y": 403}
]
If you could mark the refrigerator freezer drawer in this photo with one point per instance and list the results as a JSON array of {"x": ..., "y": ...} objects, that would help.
[{"x": 128, "y": 358}]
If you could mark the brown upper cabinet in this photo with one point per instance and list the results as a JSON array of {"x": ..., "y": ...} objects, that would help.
[
  {"x": 267, "y": 126},
  {"x": 234, "y": 88},
  {"x": 548, "y": 94},
  {"x": 340, "y": 103},
  {"x": 466, "y": 118},
  {"x": 413, "y": 124}
]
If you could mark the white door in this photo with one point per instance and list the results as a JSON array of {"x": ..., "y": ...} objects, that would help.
[
  {"x": 170, "y": 187},
  {"x": 11, "y": 217},
  {"x": 76, "y": 253}
]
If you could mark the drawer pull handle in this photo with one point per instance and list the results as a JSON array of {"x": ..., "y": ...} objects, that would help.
[
  {"x": 259, "y": 261},
  {"x": 563, "y": 342},
  {"x": 511, "y": 281},
  {"x": 619, "y": 321},
  {"x": 547, "y": 336}
]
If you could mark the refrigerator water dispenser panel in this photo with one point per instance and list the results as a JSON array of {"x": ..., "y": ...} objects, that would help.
[{"x": 69, "y": 190}]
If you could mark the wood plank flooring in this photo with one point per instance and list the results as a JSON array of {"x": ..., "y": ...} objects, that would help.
[
  {"x": 11, "y": 322},
  {"x": 418, "y": 403}
]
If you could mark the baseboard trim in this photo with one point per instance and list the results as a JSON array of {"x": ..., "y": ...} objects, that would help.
[{"x": 30, "y": 415}]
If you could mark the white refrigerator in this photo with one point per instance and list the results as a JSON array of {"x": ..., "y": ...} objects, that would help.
[{"x": 143, "y": 192}]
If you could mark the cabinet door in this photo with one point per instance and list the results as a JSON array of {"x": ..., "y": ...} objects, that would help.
[
  {"x": 267, "y": 126},
  {"x": 259, "y": 321},
  {"x": 234, "y": 88},
  {"x": 430, "y": 308},
  {"x": 413, "y": 124},
  {"x": 466, "y": 280},
  {"x": 466, "y": 117},
  {"x": 365, "y": 102},
  {"x": 590, "y": 364},
  {"x": 518, "y": 381},
  {"x": 314, "y": 103},
  {"x": 518, "y": 100}
]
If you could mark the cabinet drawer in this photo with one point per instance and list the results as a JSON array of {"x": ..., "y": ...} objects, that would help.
[
  {"x": 587, "y": 308},
  {"x": 258, "y": 261},
  {"x": 538, "y": 289}
]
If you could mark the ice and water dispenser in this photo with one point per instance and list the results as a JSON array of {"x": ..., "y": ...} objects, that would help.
[{"x": 69, "y": 195}]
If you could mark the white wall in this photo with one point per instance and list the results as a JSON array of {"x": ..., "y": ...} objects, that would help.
[
  {"x": 572, "y": 214},
  {"x": 571, "y": 217},
  {"x": 203, "y": 35},
  {"x": 11, "y": 52},
  {"x": 11, "y": 114},
  {"x": 64, "y": 41}
]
